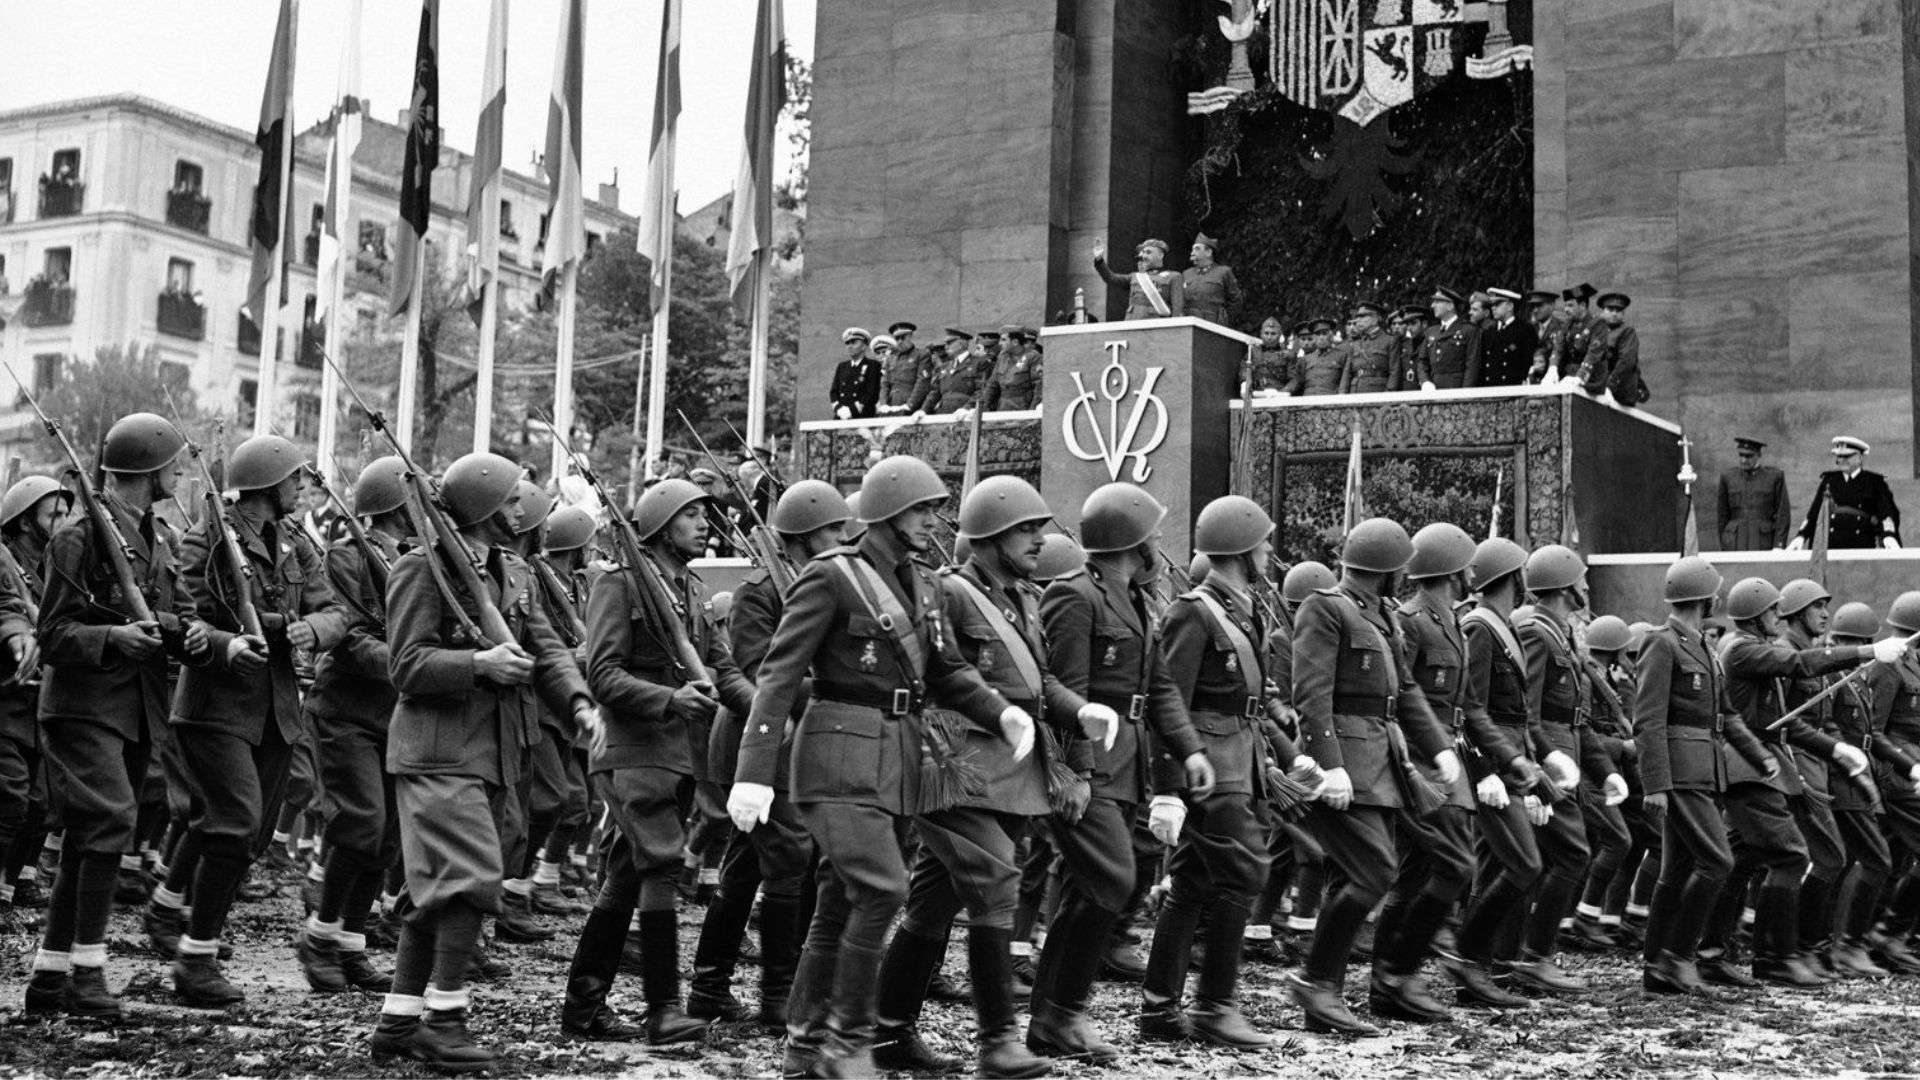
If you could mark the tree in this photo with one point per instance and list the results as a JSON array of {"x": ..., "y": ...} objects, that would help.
[{"x": 91, "y": 394}]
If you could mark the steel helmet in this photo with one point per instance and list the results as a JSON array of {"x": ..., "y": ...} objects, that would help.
[
  {"x": 809, "y": 505},
  {"x": 262, "y": 462},
  {"x": 1440, "y": 549},
  {"x": 856, "y": 528},
  {"x": 1800, "y": 594},
  {"x": 1692, "y": 578},
  {"x": 722, "y": 604},
  {"x": 1493, "y": 559},
  {"x": 1638, "y": 641},
  {"x": 535, "y": 505},
  {"x": 141, "y": 442},
  {"x": 1905, "y": 612},
  {"x": 659, "y": 503},
  {"x": 999, "y": 503},
  {"x": 1377, "y": 545},
  {"x": 1059, "y": 556},
  {"x": 476, "y": 486},
  {"x": 568, "y": 529},
  {"x": 1553, "y": 567},
  {"x": 898, "y": 484},
  {"x": 1119, "y": 516},
  {"x": 1200, "y": 566},
  {"x": 381, "y": 486},
  {"x": 1855, "y": 620},
  {"x": 1608, "y": 633},
  {"x": 1303, "y": 579},
  {"x": 26, "y": 494},
  {"x": 1231, "y": 525},
  {"x": 1749, "y": 597}
]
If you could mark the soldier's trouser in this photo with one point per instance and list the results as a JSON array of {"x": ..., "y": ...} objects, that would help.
[
  {"x": 233, "y": 782},
  {"x": 1218, "y": 867},
  {"x": 450, "y": 840},
  {"x": 862, "y": 886},
  {"x": 1827, "y": 860},
  {"x": 1360, "y": 846},
  {"x": 546, "y": 797},
  {"x": 574, "y": 811},
  {"x": 1098, "y": 869},
  {"x": 1563, "y": 854},
  {"x": 101, "y": 775},
  {"x": 968, "y": 857},
  {"x": 1608, "y": 839},
  {"x": 1643, "y": 848},
  {"x": 363, "y": 834},
  {"x": 1695, "y": 860},
  {"x": 1763, "y": 823},
  {"x": 1901, "y": 826},
  {"x": 1510, "y": 867},
  {"x": 1036, "y": 871},
  {"x": 1436, "y": 868},
  {"x": 648, "y": 806},
  {"x": 19, "y": 771},
  {"x": 1869, "y": 865}
]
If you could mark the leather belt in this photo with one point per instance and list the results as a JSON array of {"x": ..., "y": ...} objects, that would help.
[
  {"x": 1228, "y": 705},
  {"x": 898, "y": 702},
  {"x": 1131, "y": 706},
  {"x": 1378, "y": 706}
]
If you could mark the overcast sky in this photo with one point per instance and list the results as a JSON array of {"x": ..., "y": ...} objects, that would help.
[{"x": 210, "y": 57}]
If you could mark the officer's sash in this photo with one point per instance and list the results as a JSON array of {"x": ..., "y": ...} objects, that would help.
[
  {"x": 1018, "y": 648},
  {"x": 1501, "y": 631},
  {"x": 885, "y": 609},
  {"x": 1248, "y": 656},
  {"x": 1144, "y": 280}
]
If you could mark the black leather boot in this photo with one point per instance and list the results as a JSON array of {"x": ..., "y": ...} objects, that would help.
[
  {"x": 1069, "y": 966},
  {"x": 584, "y": 1013},
  {"x": 910, "y": 963},
  {"x": 1397, "y": 989},
  {"x": 1161, "y": 1015},
  {"x": 517, "y": 922},
  {"x": 164, "y": 926},
  {"x": 847, "y": 1051},
  {"x": 711, "y": 994},
  {"x": 660, "y": 981},
  {"x": 201, "y": 984},
  {"x": 442, "y": 1042},
  {"x": 1216, "y": 1015},
  {"x": 46, "y": 992},
  {"x": 87, "y": 994},
  {"x": 1326, "y": 1011},
  {"x": 780, "y": 937},
  {"x": 320, "y": 961},
  {"x": 807, "y": 1012},
  {"x": 990, "y": 968},
  {"x": 362, "y": 975},
  {"x": 392, "y": 1036}
]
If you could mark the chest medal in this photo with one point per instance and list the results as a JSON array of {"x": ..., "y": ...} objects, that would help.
[
  {"x": 985, "y": 662},
  {"x": 1233, "y": 664},
  {"x": 870, "y": 658},
  {"x": 1112, "y": 656}
]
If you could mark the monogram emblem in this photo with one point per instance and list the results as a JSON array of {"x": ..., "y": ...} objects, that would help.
[
  {"x": 1112, "y": 656},
  {"x": 1233, "y": 664},
  {"x": 870, "y": 658},
  {"x": 1118, "y": 442}
]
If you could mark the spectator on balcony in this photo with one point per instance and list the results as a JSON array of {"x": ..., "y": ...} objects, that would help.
[
  {"x": 1580, "y": 327},
  {"x": 1612, "y": 366},
  {"x": 1450, "y": 354},
  {"x": 1017, "y": 377},
  {"x": 1366, "y": 357},
  {"x": 956, "y": 376},
  {"x": 1318, "y": 371},
  {"x": 1207, "y": 287},
  {"x": 1153, "y": 292},
  {"x": 1859, "y": 505},
  {"x": 1409, "y": 331},
  {"x": 1506, "y": 345},
  {"x": 1269, "y": 365},
  {"x": 1547, "y": 327},
  {"x": 1754, "y": 513},
  {"x": 856, "y": 381},
  {"x": 1480, "y": 309},
  {"x": 906, "y": 372}
]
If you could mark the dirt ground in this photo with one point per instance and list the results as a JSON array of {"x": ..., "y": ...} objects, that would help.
[{"x": 1859, "y": 1028}]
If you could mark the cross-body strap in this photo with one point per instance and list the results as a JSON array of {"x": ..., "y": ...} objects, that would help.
[
  {"x": 1249, "y": 657},
  {"x": 1019, "y": 648},
  {"x": 886, "y": 610}
]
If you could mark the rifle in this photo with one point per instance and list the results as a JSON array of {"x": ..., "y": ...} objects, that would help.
[
  {"x": 650, "y": 589},
  {"x": 726, "y": 524},
  {"x": 760, "y": 542},
  {"x": 369, "y": 550},
  {"x": 1913, "y": 641},
  {"x": 492, "y": 628},
  {"x": 227, "y": 543},
  {"x": 571, "y": 628},
  {"x": 119, "y": 551},
  {"x": 773, "y": 471}
]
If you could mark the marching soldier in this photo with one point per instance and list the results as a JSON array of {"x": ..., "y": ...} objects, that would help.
[
  {"x": 856, "y": 380},
  {"x": 103, "y": 698},
  {"x": 564, "y": 579},
  {"x": 906, "y": 372},
  {"x": 1858, "y": 503},
  {"x": 1017, "y": 378},
  {"x": 349, "y": 709},
  {"x": 238, "y": 719},
  {"x": 1102, "y": 644},
  {"x": 1209, "y": 289},
  {"x": 461, "y": 728},
  {"x": 1506, "y": 343},
  {"x": 1753, "y": 508},
  {"x": 1895, "y": 698},
  {"x": 541, "y": 789},
  {"x": 1363, "y": 718},
  {"x": 969, "y": 852},
  {"x": 1859, "y": 716},
  {"x": 31, "y": 511},
  {"x": 1367, "y": 355},
  {"x": 1617, "y": 829},
  {"x": 866, "y": 622},
  {"x": 1153, "y": 292},
  {"x": 647, "y": 625},
  {"x": 1321, "y": 369},
  {"x": 956, "y": 381},
  {"x": 1449, "y": 357}
]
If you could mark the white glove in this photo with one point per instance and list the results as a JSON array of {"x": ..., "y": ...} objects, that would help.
[
  {"x": 1614, "y": 789},
  {"x": 1165, "y": 815},
  {"x": 1492, "y": 793},
  {"x": 1913, "y": 776},
  {"x": 1552, "y": 376},
  {"x": 593, "y": 726},
  {"x": 1337, "y": 792},
  {"x": 1566, "y": 775},
  {"x": 1307, "y": 771},
  {"x": 1851, "y": 757},
  {"x": 1017, "y": 728},
  {"x": 1428, "y": 386},
  {"x": 1890, "y": 543},
  {"x": 1797, "y": 544},
  {"x": 843, "y": 413},
  {"x": 1888, "y": 650},
  {"x": 1099, "y": 721},
  {"x": 1448, "y": 763},
  {"x": 1570, "y": 380},
  {"x": 749, "y": 804},
  {"x": 1538, "y": 813}
]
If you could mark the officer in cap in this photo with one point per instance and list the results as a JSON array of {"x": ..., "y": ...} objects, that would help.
[
  {"x": 1269, "y": 365},
  {"x": 237, "y": 722},
  {"x": 956, "y": 378},
  {"x": 856, "y": 380},
  {"x": 1017, "y": 377},
  {"x": 1507, "y": 343},
  {"x": 1210, "y": 290},
  {"x": 1366, "y": 365},
  {"x": 1612, "y": 365},
  {"x": 906, "y": 373},
  {"x": 1102, "y": 643},
  {"x": 1858, "y": 503},
  {"x": 31, "y": 511},
  {"x": 1355, "y": 695},
  {"x": 1449, "y": 356},
  {"x": 866, "y": 623},
  {"x": 1409, "y": 333},
  {"x": 1322, "y": 368},
  {"x": 1579, "y": 327},
  {"x": 1153, "y": 291},
  {"x": 1753, "y": 508}
]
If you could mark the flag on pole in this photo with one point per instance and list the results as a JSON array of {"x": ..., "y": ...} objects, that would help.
[
  {"x": 1570, "y": 524},
  {"x": 483, "y": 197},
  {"x": 1499, "y": 484},
  {"x": 267, "y": 230},
  {"x": 347, "y": 110},
  {"x": 1817, "y": 553},
  {"x": 656, "y": 216},
  {"x": 566, "y": 238},
  {"x": 971, "y": 476},
  {"x": 1356, "y": 504},
  {"x": 1690, "y": 529},
  {"x": 752, "y": 212},
  {"x": 423, "y": 153}
]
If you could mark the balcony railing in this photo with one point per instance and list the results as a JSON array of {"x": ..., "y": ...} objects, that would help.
[
  {"x": 181, "y": 316},
  {"x": 189, "y": 210},
  {"x": 47, "y": 304},
  {"x": 61, "y": 198}
]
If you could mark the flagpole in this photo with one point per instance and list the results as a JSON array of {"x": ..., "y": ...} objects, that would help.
[
  {"x": 757, "y": 355},
  {"x": 405, "y": 404},
  {"x": 563, "y": 369},
  {"x": 266, "y": 388},
  {"x": 341, "y": 172},
  {"x": 483, "y": 378}
]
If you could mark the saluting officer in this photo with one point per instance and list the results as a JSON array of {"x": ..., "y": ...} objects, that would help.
[
  {"x": 1017, "y": 378},
  {"x": 1367, "y": 355},
  {"x": 653, "y": 707},
  {"x": 1449, "y": 357},
  {"x": 103, "y": 699},
  {"x": 31, "y": 511},
  {"x": 1102, "y": 643},
  {"x": 350, "y": 709},
  {"x": 866, "y": 622},
  {"x": 956, "y": 380},
  {"x": 1363, "y": 719},
  {"x": 1153, "y": 291},
  {"x": 238, "y": 719}
]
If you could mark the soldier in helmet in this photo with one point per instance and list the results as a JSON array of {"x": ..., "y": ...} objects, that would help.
[
  {"x": 867, "y": 623},
  {"x": 968, "y": 856},
  {"x": 776, "y": 858},
  {"x": 31, "y": 511},
  {"x": 349, "y": 710},
  {"x": 1617, "y": 831},
  {"x": 1102, "y": 644},
  {"x": 103, "y": 699},
  {"x": 238, "y": 719},
  {"x": 1356, "y": 695},
  {"x": 562, "y": 571},
  {"x": 1884, "y": 715},
  {"x": 654, "y": 708},
  {"x": 457, "y": 746}
]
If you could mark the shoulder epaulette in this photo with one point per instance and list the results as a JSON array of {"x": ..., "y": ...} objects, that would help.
[
  {"x": 835, "y": 552},
  {"x": 755, "y": 577}
]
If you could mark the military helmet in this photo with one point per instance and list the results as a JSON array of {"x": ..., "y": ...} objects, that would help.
[
  {"x": 899, "y": 484},
  {"x": 141, "y": 442},
  {"x": 999, "y": 503},
  {"x": 659, "y": 503},
  {"x": 381, "y": 486},
  {"x": 1231, "y": 525},
  {"x": 1608, "y": 633},
  {"x": 476, "y": 486},
  {"x": 1692, "y": 578},
  {"x": 1639, "y": 632},
  {"x": 1749, "y": 597},
  {"x": 808, "y": 505},
  {"x": 24, "y": 495},
  {"x": 262, "y": 462},
  {"x": 1493, "y": 559},
  {"x": 1440, "y": 549},
  {"x": 1059, "y": 556},
  {"x": 1119, "y": 516},
  {"x": 1200, "y": 566},
  {"x": 1905, "y": 612},
  {"x": 1800, "y": 594},
  {"x": 568, "y": 529},
  {"x": 1377, "y": 545},
  {"x": 1855, "y": 620},
  {"x": 535, "y": 505},
  {"x": 1553, "y": 567},
  {"x": 722, "y": 604},
  {"x": 1303, "y": 579},
  {"x": 855, "y": 527}
]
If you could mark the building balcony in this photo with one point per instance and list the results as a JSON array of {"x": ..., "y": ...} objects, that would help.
[
  {"x": 189, "y": 210},
  {"x": 310, "y": 251},
  {"x": 61, "y": 198},
  {"x": 181, "y": 316},
  {"x": 47, "y": 304},
  {"x": 369, "y": 272}
]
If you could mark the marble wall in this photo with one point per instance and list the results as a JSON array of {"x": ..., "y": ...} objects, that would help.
[{"x": 1741, "y": 168}]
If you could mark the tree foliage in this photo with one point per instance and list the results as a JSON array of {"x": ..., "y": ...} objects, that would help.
[{"x": 92, "y": 393}]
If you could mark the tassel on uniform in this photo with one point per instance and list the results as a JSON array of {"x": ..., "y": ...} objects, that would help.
[{"x": 947, "y": 776}]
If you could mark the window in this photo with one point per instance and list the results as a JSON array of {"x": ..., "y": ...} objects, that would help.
[
  {"x": 6, "y": 175},
  {"x": 60, "y": 187},
  {"x": 6, "y": 190},
  {"x": 58, "y": 268},
  {"x": 187, "y": 208},
  {"x": 174, "y": 375},
  {"x": 243, "y": 404},
  {"x": 188, "y": 178},
  {"x": 506, "y": 221},
  {"x": 593, "y": 240},
  {"x": 46, "y": 373},
  {"x": 180, "y": 277},
  {"x": 306, "y": 417},
  {"x": 66, "y": 166},
  {"x": 373, "y": 240}
]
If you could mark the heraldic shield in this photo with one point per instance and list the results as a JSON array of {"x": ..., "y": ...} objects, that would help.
[{"x": 1359, "y": 58}]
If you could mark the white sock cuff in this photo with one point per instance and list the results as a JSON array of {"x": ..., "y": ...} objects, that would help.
[
  {"x": 6, "y": 892},
  {"x": 443, "y": 1000},
  {"x": 1609, "y": 920},
  {"x": 316, "y": 871},
  {"x": 129, "y": 862},
  {"x": 518, "y": 886},
  {"x": 1587, "y": 911},
  {"x": 709, "y": 875},
  {"x": 166, "y": 897},
  {"x": 1639, "y": 911},
  {"x": 403, "y": 1005},
  {"x": 1308, "y": 923},
  {"x": 350, "y": 942},
  {"x": 93, "y": 956},
  {"x": 1258, "y": 932},
  {"x": 323, "y": 931},
  {"x": 280, "y": 837},
  {"x": 578, "y": 860},
  {"x": 45, "y": 960},
  {"x": 195, "y": 947},
  {"x": 546, "y": 873},
  {"x": 1022, "y": 948}
]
